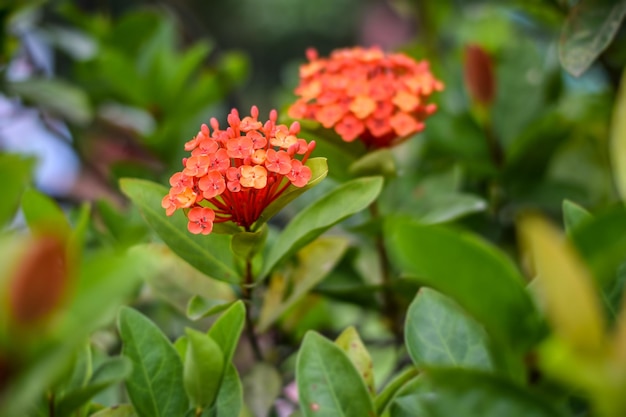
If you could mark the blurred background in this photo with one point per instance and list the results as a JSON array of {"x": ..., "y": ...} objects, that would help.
[{"x": 102, "y": 89}]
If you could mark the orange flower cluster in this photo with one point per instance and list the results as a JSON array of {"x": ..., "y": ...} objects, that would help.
[
  {"x": 234, "y": 174},
  {"x": 367, "y": 94}
]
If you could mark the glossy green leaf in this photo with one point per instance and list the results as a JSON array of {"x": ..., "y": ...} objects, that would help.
[
  {"x": 200, "y": 307},
  {"x": 203, "y": 369},
  {"x": 339, "y": 204},
  {"x": 459, "y": 392},
  {"x": 227, "y": 329},
  {"x": 328, "y": 383},
  {"x": 261, "y": 386},
  {"x": 15, "y": 172},
  {"x": 59, "y": 97},
  {"x": 314, "y": 262},
  {"x": 155, "y": 385},
  {"x": 573, "y": 215},
  {"x": 319, "y": 170},
  {"x": 588, "y": 31},
  {"x": 112, "y": 371},
  {"x": 439, "y": 333},
  {"x": 229, "y": 399},
  {"x": 43, "y": 214},
  {"x": 123, "y": 410},
  {"x": 470, "y": 271},
  {"x": 618, "y": 137},
  {"x": 350, "y": 342},
  {"x": 209, "y": 254}
]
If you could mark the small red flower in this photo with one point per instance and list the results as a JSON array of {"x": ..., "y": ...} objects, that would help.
[
  {"x": 234, "y": 174},
  {"x": 361, "y": 93}
]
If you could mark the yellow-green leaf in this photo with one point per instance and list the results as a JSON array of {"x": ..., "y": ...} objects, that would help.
[
  {"x": 350, "y": 342},
  {"x": 565, "y": 286},
  {"x": 618, "y": 139}
]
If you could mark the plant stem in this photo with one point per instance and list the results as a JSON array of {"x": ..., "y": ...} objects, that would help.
[
  {"x": 390, "y": 303},
  {"x": 50, "y": 404},
  {"x": 246, "y": 293}
]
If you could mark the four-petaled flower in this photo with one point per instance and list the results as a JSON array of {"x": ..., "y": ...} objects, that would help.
[
  {"x": 234, "y": 174},
  {"x": 367, "y": 94}
]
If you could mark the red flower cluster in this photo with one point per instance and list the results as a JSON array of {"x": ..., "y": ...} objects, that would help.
[
  {"x": 367, "y": 94},
  {"x": 234, "y": 174}
]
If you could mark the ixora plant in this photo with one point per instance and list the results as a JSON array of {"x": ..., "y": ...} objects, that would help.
[{"x": 470, "y": 331}]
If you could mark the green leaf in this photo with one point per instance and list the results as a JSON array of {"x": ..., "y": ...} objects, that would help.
[
  {"x": 573, "y": 215},
  {"x": 110, "y": 372},
  {"x": 449, "y": 206},
  {"x": 602, "y": 244},
  {"x": 261, "y": 386},
  {"x": 319, "y": 170},
  {"x": 393, "y": 388},
  {"x": 209, "y": 254},
  {"x": 227, "y": 329},
  {"x": 247, "y": 244},
  {"x": 314, "y": 262},
  {"x": 618, "y": 137},
  {"x": 43, "y": 214},
  {"x": 439, "y": 333},
  {"x": 470, "y": 271},
  {"x": 15, "y": 172},
  {"x": 328, "y": 383},
  {"x": 339, "y": 204},
  {"x": 229, "y": 399},
  {"x": 203, "y": 369},
  {"x": 379, "y": 162},
  {"x": 350, "y": 342},
  {"x": 123, "y": 410},
  {"x": 189, "y": 63},
  {"x": 155, "y": 386},
  {"x": 200, "y": 307},
  {"x": 567, "y": 290},
  {"x": 180, "y": 284},
  {"x": 59, "y": 97},
  {"x": 460, "y": 392},
  {"x": 588, "y": 31}
]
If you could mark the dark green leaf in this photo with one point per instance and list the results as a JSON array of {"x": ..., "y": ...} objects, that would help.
[
  {"x": 328, "y": 383},
  {"x": 124, "y": 410},
  {"x": 602, "y": 244},
  {"x": 209, "y": 254},
  {"x": 203, "y": 369},
  {"x": 588, "y": 30},
  {"x": 456, "y": 392},
  {"x": 439, "y": 333},
  {"x": 227, "y": 329},
  {"x": 573, "y": 215},
  {"x": 112, "y": 371},
  {"x": 617, "y": 150},
  {"x": 155, "y": 386},
  {"x": 470, "y": 271},
  {"x": 339, "y": 204},
  {"x": 15, "y": 172}
]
